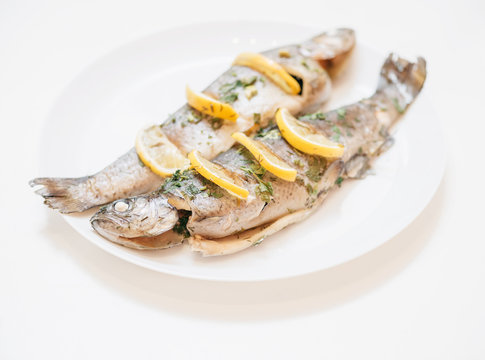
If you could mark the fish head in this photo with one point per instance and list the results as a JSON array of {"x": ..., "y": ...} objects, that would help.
[{"x": 137, "y": 216}]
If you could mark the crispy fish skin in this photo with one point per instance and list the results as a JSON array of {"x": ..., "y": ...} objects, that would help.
[
  {"x": 188, "y": 128},
  {"x": 362, "y": 127}
]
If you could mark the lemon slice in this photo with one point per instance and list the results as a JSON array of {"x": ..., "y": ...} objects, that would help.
[
  {"x": 158, "y": 153},
  {"x": 216, "y": 174},
  {"x": 207, "y": 105},
  {"x": 305, "y": 138},
  {"x": 271, "y": 69},
  {"x": 266, "y": 157}
]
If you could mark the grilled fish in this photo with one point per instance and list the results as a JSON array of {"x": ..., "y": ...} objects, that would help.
[
  {"x": 188, "y": 128},
  {"x": 218, "y": 223}
]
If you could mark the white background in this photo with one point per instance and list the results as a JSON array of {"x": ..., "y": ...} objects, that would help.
[{"x": 420, "y": 296}]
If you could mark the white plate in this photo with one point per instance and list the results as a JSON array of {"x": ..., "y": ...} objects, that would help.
[{"x": 95, "y": 120}]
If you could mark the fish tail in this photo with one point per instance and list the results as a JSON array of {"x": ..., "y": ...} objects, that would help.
[
  {"x": 402, "y": 79},
  {"x": 61, "y": 193}
]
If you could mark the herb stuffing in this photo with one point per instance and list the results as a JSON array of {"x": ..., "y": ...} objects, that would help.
[{"x": 181, "y": 225}]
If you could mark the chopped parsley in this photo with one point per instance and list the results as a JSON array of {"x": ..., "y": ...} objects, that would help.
[
  {"x": 339, "y": 181},
  {"x": 268, "y": 134},
  {"x": 216, "y": 123},
  {"x": 181, "y": 225},
  {"x": 315, "y": 116},
  {"x": 336, "y": 136},
  {"x": 341, "y": 113},
  {"x": 228, "y": 92},
  {"x": 264, "y": 189},
  {"x": 257, "y": 118},
  {"x": 398, "y": 106},
  {"x": 175, "y": 181},
  {"x": 316, "y": 168}
]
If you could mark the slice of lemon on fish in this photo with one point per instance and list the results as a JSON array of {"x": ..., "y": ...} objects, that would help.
[
  {"x": 157, "y": 152},
  {"x": 305, "y": 138},
  {"x": 266, "y": 157},
  {"x": 216, "y": 174},
  {"x": 271, "y": 69},
  {"x": 207, "y": 105}
]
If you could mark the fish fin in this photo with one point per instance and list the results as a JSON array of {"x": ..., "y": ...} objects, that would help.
[
  {"x": 403, "y": 77},
  {"x": 61, "y": 193}
]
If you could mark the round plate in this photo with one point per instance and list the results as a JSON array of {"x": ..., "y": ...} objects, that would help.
[{"x": 96, "y": 117}]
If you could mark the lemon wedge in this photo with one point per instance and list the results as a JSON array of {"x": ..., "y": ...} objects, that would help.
[
  {"x": 216, "y": 174},
  {"x": 305, "y": 138},
  {"x": 157, "y": 152},
  {"x": 271, "y": 69},
  {"x": 207, "y": 105},
  {"x": 266, "y": 157}
]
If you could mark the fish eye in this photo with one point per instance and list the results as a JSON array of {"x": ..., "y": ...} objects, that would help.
[{"x": 121, "y": 206}]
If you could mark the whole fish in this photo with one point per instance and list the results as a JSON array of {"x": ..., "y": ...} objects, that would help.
[
  {"x": 218, "y": 223},
  {"x": 188, "y": 128}
]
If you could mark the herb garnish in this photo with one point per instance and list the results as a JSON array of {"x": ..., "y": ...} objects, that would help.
[
  {"x": 339, "y": 181},
  {"x": 264, "y": 189},
  {"x": 228, "y": 92},
  {"x": 341, "y": 113},
  {"x": 216, "y": 123},
  {"x": 175, "y": 181},
  {"x": 257, "y": 118},
  {"x": 181, "y": 225},
  {"x": 315, "y": 116},
  {"x": 398, "y": 106},
  {"x": 337, "y": 132},
  {"x": 268, "y": 134},
  {"x": 316, "y": 168}
]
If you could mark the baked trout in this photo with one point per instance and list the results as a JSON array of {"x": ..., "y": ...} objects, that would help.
[
  {"x": 188, "y": 128},
  {"x": 218, "y": 223}
]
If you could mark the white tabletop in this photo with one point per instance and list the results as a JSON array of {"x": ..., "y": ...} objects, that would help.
[{"x": 419, "y": 296}]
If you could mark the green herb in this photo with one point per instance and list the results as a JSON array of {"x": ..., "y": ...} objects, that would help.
[
  {"x": 173, "y": 120},
  {"x": 181, "y": 225},
  {"x": 339, "y": 180},
  {"x": 316, "y": 168},
  {"x": 268, "y": 134},
  {"x": 290, "y": 211},
  {"x": 360, "y": 150},
  {"x": 192, "y": 190},
  {"x": 259, "y": 241},
  {"x": 264, "y": 189},
  {"x": 257, "y": 118},
  {"x": 175, "y": 181},
  {"x": 228, "y": 92},
  {"x": 298, "y": 163},
  {"x": 216, "y": 195},
  {"x": 357, "y": 120},
  {"x": 311, "y": 190},
  {"x": 229, "y": 98},
  {"x": 337, "y": 132},
  {"x": 398, "y": 106},
  {"x": 305, "y": 64},
  {"x": 194, "y": 118},
  {"x": 315, "y": 116},
  {"x": 216, "y": 123},
  {"x": 341, "y": 113}
]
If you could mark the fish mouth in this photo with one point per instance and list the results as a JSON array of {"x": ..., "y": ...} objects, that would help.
[{"x": 111, "y": 227}]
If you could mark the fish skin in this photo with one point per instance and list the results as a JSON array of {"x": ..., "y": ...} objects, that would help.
[
  {"x": 127, "y": 176},
  {"x": 363, "y": 128}
]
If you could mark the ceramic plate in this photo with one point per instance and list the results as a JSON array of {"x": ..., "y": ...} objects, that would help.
[{"x": 97, "y": 116}]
